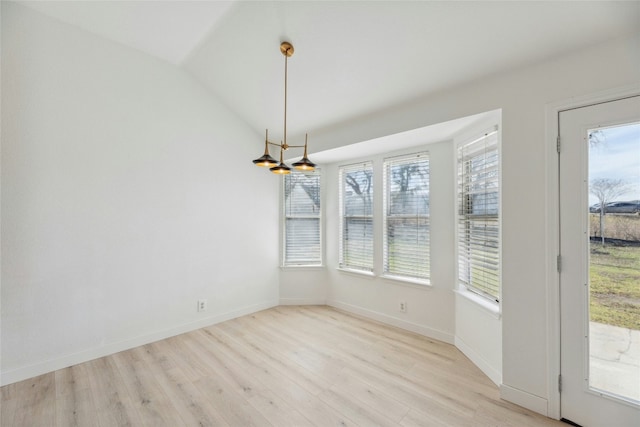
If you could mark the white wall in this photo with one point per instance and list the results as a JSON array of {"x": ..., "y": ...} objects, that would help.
[
  {"x": 117, "y": 174},
  {"x": 522, "y": 95},
  {"x": 298, "y": 287},
  {"x": 429, "y": 308}
]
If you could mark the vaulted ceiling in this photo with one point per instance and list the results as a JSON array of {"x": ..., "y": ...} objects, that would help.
[{"x": 352, "y": 58}]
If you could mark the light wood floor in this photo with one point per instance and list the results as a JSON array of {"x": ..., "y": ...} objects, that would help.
[{"x": 287, "y": 366}]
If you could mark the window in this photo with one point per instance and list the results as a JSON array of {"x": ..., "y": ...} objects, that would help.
[
  {"x": 478, "y": 216},
  {"x": 302, "y": 242},
  {"x": 406, "y": 217},
  {"x": 356, "y": 216}
]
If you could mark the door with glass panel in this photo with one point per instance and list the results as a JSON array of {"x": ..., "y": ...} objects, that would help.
[{"x": 600, "y": 263}]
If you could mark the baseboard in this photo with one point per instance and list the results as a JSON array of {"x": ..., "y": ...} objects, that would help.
[
  {"x": 479, "y": 361},
  {"x": 390, "y": 320},
  {"x": 303, "y": 301},
  {"x": 46, "y": 366},
  {"x": 524, "y": 399}
]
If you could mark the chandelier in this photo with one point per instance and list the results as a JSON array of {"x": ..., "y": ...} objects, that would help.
[{"x": 266, "y": 160}]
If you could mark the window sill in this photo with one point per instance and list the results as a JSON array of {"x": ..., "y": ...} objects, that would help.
[
  {"x": 356, "y": 272},
  {"x": 408, "y": 281},
  {"x": 493, "y": 308},
  {"x": 302, "y": 267}
]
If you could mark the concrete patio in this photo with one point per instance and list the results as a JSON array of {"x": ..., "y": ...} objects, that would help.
[{"x": 615, "y": 360}]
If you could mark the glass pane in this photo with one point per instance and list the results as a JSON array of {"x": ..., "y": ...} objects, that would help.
[
  {"x": 614, "y": 264},
  {"x": 408, "y": 247},
  {"x": 358, "y": 189},
  {"x": 301, "y": 194},
  {"x": 302, "y": 241},
  {"x": 408, "y": 190},
  {"x": 406, "y": 203},
  {"x": 302, "y": 245},
  {"x": 358, "y": 243},
  {"x": 356, "y": 199}
]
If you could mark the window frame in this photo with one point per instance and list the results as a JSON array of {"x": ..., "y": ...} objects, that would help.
[
  {"x": 387, "y": 164},
  {"x": 367, "y": 165},
  {"x": 464, "y": 221},
  {"x": 310, "y": 263}
]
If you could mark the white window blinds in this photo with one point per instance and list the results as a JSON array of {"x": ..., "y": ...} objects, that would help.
[
  {"x": 356, "y": 215},
  {"x": 302, "y": 242},
  {"x": 406, "y": 219},
  {"x": 478, "y": 216}
]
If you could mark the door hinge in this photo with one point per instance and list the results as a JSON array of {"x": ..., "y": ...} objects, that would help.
[
  {"x": 560, "y": 383},
  {"x": 559, "y": 263},
  {"x": 558, "y": 144}
]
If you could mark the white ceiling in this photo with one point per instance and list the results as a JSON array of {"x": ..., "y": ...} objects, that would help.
[
  {"x": 169, "y": 30},
  {"x": 351, "y": 58}
]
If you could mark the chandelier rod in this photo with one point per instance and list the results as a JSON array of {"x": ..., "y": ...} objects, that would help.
[{"x": 286, "y": 63}]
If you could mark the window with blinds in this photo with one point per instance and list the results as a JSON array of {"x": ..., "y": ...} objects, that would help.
[
  {"x": 302, "y": 220},
  {"x": 478, "y": 216},
  {"x": 406, "y": 219},
  {"x": 356, "y": 216}
]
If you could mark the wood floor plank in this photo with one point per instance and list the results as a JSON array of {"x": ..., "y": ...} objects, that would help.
[
  {"x": 75, "y": 405},
  {"x": 358, "y": 325},
  {"x": 306, "y": 352},
  {"x": 372, "y": 396},
  {"x": 147, "y": 396},
  {"x": 417, "y": 418},
  {"x": 190, "y": 404},
  {"x": 112, "y": 401},
  {"x": 35, "y": 402},
  {"x": 272, "y": 359},
  {"x": 337, "y": 349},
  {"x": 362, "y": 415},
  {"x": 286, "y": 366},
  {"x": 230, "y": 404},
  {"x": 188, "y": 362},
  {"x": 8, "y": 410},
  {"x": 281, "y": 355},
  {"x": 300, "y": 395},
  {"x": 504, "y": 414}
]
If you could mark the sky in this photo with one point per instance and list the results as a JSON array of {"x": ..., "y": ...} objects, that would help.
[{"x": 618, "y": 157}]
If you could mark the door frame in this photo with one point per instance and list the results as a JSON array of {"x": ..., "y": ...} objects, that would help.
[{"x": 552, "y": 235}]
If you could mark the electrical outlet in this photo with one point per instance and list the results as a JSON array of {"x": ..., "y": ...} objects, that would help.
[
  {"x": 402, "y": 306},
  {"x": 202, "y": 305}
]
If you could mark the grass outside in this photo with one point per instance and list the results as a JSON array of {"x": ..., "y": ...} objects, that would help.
[
  {"x": 616, "y": 226},
  {"x": 615, "y": 285}
]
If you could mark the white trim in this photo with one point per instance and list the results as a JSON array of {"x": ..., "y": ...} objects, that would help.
[
  {"x": 45, "y": 366},
  {"x": 483, "y": 365},
  {"x": 303, "y": 301},
  {"x": 490, "y": 307},
  {"x": 389, "y": 320},
  {"x": 302, "y": 267},
  {"x": 524, "y": 399},
  {"x": 357, "y": 272},
  {"x": 553, "y": 231},
  {"x": 404, "y": 280}
]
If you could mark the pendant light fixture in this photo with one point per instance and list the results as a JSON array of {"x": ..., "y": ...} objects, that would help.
[{"x": 266, "y": 160}]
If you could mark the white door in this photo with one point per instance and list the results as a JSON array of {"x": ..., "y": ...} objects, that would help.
[{"x": 600, "y": 278}]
